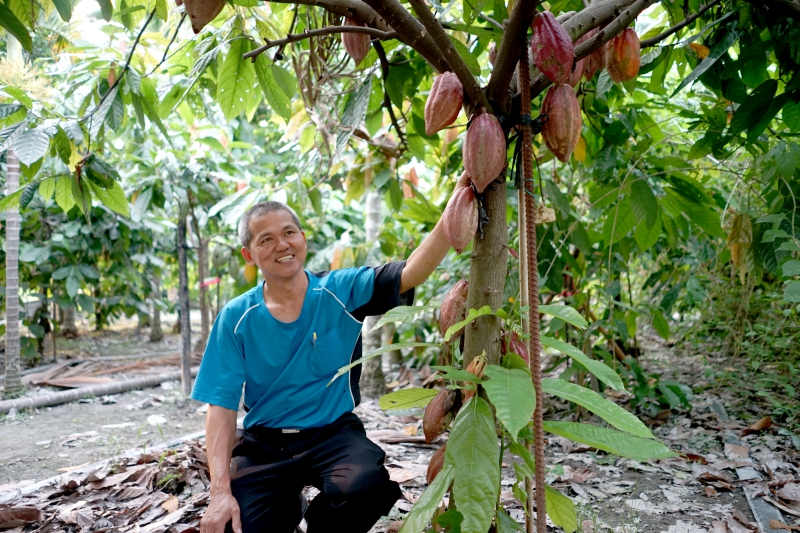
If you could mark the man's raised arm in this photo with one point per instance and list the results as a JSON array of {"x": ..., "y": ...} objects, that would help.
[{"x": 220, "y": 434}]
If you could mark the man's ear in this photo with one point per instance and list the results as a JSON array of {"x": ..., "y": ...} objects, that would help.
[{"x": 248, "y": 258}]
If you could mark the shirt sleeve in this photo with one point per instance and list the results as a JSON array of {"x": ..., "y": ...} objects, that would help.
[
  {"x": 222, "y": 371},
  {"x": 385, "y": 294}
]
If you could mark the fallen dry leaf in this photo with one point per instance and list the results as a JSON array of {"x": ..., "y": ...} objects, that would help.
[
  {"x": 719, "y": 526},
  {"x": 711, "y": 492},
  {"x": 790, "y": 492},
  {"x": 19, "y": 516},
  {"x": 763, "y": 424},
  {"x": 742, "y": 519},
  {"x": 777, "y": 524},
  {"x": 394, "y": 527},
  {"x": 736, "y": 452},
  {"x": 171, "y": 505}
]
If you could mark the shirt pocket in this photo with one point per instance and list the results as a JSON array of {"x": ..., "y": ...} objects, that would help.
[{"x": 326, "y": 354}]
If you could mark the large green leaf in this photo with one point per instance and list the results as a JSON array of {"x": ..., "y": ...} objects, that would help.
[
  {"x": 12, "y": 200},
  {"x": 753, "y": 107},
  {"x": 388, "y": 348},
  {"x": 15, "y": 27},
  {"x": 468, "y": 57},
  {"x": 353, "y": 116},
  {"x": 472, "y": 315},
  {"x": 64, "y": 197},
  {"x": 64, "y": 8},
  {"x": 47, "y": 187},
  {"x": 565, "y": 313},
  {"x": 792, "y": 292},
  {"x": 598, "y": 368},
  {"x": 643, "y": 203},
  {"x": 236, "y": 79},
  {"x": 475, "y": 453},
  {"x": 407, "y": 399},
  {"x": 113, "y": 198},
  {"x": 506, "y": 524},
  {"x": 713, "y": 55},
  {"x": 610, "y": 440},
  {"x": 276, "y": 97},
  {"x": 423, "y": 510},
  {"x": 560, "y": 509},
  {"x": 405, "y": 314},
  {"x": 602, "y": 407},
  {"x": 646, "y": 237},
  {"x": 31, "y": 145},
  {"x": 511, "y": 392}
]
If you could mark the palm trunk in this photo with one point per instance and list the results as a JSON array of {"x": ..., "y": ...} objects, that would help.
[
  {"x": 183, "y": 295},
  {"x": 156, "y": 333},
  {"x": 13, "y": 385},
  {"x": 373, "y": 384}
]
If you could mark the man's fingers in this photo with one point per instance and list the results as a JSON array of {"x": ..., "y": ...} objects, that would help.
[{"x": 236, "y": 521}]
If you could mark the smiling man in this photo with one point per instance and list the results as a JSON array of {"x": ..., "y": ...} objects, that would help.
[{"x": 283, "y": 341}]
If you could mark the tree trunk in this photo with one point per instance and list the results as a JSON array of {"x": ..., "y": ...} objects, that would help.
[
  {"x": 183, "y": 295},
  {"x": 391, "y": 360},
  {"x": 68, "y": 328},
  {"x": 13, "y": 385},
  {"x": 156, "y": 333},
  {"x": 99, "y": 316},
  {"x": 202, "y": 274},
  {"x": 373, "y": 384}
]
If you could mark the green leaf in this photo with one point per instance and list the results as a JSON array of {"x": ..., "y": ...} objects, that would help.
[
  {"x": 28, "y": 193},
  {"x": 236, "y": 79},
  {"x": 423, "y": 510},
  {"x": 660, "y": 324},
  {"x": 560, "y": 509},
  {"x": 276, "y": 97},
  {"x": 64, "y": 8},
  {"x": 162, "y": 11},
  {"x": 113, "y": 198},
  {"x": 470, "y": 60},
  {"x": 472, "y": 315},
  {"x": 12, "y": 200},
  {"x": 6, "y": 110},
  {"x": 106, "y": 9},
  {"x": 756, "y": 103},
  {"x": 643, "y": 203},
  {"x": 565, "y": 313},
  {"x": 646, "y": 237},
  {"x": 473, "y": 449},
  {"x": 713, "y": 55},
  {"x": 73, "y": 284},
  {"x": 285, "y": 80},
  {"x": 455, "y": 374},
  {"x": 512, "y": 395},
  {"x": 12, "y": 25},
  {"x": 47, "y": 187},
  {"x": 388, "y": 348},
  {"x": 610, "y": 440},
  {"x": 64, "y": 197},
  {"x": 506, "y": 524},
  {"x": 32, "y": 145},
  {"x": 404, "y": 314},
  {"x": 792, "y": 292},
  {"x": 602, "y": 407},
  {"x": 63, "y": 145},
  {"x": 791, "y": 115},
  {"x": 791, "y": 268},
  {"x": 598, "y": 368},
  {"x": 406, "y": 399},
  {"x": 353, "y": 115},
  {"x": 22, "y": 9}
]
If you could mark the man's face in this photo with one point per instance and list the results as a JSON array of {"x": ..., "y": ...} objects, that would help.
[{"x": 278, "y": 247}]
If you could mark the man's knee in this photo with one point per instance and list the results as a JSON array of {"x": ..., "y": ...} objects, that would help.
[{"x": 354, "y": 480}]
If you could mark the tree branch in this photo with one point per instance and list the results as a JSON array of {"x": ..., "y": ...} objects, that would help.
[
  {"x": 166, "y": 50},
  {"x": 293, "y": 38},
  {"x": 354, "y": 9},
  {"x": 411, "y": 31},
  {"x": 511, "y": 46},
  {"x": 387, "y": 102},
  {"x": 647, "y": 43},
  {"x": 791, "y": 7},
  {"x": 472, "y": 90}
]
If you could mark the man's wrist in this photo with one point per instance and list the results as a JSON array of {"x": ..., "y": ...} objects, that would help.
[{"x": 220, "y": 488}]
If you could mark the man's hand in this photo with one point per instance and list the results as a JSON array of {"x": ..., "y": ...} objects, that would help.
[{"x": 221, "y": 509}]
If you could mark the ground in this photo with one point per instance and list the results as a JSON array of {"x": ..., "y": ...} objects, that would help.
[{"x": 694, "y": 493}]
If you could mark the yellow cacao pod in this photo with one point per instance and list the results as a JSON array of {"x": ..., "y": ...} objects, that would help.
[{"x": 250, "y": 273}]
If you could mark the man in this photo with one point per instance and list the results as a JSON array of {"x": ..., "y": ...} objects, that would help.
[{"x": 284, "y": 340}]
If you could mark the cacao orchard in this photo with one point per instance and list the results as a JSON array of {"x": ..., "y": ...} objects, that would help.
[
  {"x": 623, "y": 56},
  {"x": 484, "y": 150},
  {"x": 444, "y": 102},
  {"x": 454, "y": 307},
  {"x": 563, "y": 127},
  {"x": 356, "y": 44},
  {"x": 460, "y": 218},
  {"x": 553, "y": 52}
]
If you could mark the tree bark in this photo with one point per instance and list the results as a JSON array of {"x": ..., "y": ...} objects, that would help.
[
  {"x": 373, "y": 384},
  {"x": 183, "y": 295},
  {"x": 13, "y": 385},
  {"x": 202, "y": 274},
  {"x": 68, "y": 328},
  {"x": 393, "y": 359},
  {"x": 156, "y": 333}
]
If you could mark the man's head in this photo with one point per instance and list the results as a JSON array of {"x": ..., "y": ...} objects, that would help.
[{"x": 272, "y": 239}]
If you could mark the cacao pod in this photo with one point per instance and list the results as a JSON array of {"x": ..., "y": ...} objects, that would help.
[
  {"x": 178, "y": 3},
  {"x": 436, "y": 463},
  {"x": 476, "y": 366},
  {"x": 596, "y": 61},
  {"x": 438, "y": 414},
  {"x": 250, "y": 273},
  {"x": 552, "y": 47},
  {"x": 356, "y": 44},
  {"x": 580, "y": 65},
  {"x": 444, "y": 102},
  {"x": 563, "y": 127},
  {"x": 622, "y": 56},
  {"x": 201, "y": 12},
  {"x": 484, "y": 150},
  {"x": 511, "y": 343},
  {"x": 454, "y": 307},
  {"x": 460, "y": 218}
]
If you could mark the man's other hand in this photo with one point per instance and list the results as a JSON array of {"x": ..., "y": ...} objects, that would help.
[{"x": 222, "y": 509}]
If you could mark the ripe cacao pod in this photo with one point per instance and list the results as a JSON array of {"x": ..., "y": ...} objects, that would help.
[
  {"x": 484, "y": 150},
  {"x": 201, "y": 12},
  {"x": 454, "y": 307},
  {"x": 460, "y": 218},
  {"x": 436, "y": 463},
  {"x": 356, "y": 44},
  {"x": 596, "y": 61},
  {"x": 511, "y": 343},
  {"x": 580, "y": 65},
  {"x": 563, "y": 127},
  {"x": 250, "y": 273},
  {"x": 438, "y": 414},
  {"x": 552, "y": 47},
  {"x": 623, "y": 56},
  {"x": 444, "y": 102},
  {"x": 476, "y": 366}
]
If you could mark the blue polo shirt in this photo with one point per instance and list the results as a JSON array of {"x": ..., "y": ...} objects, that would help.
[{"x": 285, "y": 367}]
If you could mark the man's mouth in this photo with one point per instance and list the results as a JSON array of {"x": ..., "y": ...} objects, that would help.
[{"x": 285, "y": 258}]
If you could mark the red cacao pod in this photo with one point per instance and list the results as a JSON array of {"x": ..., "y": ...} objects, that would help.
[
  {"x": 484, "y": 150},
  {"x": 444, "y": 102},
  {"x": 454, "y": 307},
  {"x": 563, "y": 127},
  {"x": 460, "y": 218},
  {"x": 436, "y": 463},
  {"x": 623, "y": 56},
  {"x": 596, "y": 61},
  {"x": 356, "y": 44},
  {"x": 511, "y": 343},
  {"x": 552, "y": 48},
  {"x": 580, "y": 65},
  {"x": 201, "y": 12},
  {"x": 438, "y": 414}
]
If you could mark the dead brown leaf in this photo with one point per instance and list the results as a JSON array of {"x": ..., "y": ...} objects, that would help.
[
  {"x": 777, "y": 524},
  {"x": 742, "y": 519},
  {"x": 19, "y": 516},
  {"x": 171, "y": 505},
  {"x": 762, "y": 425},
  {"x": 719, "y": 526},
  {"x": 790, "y": 492},
  {"x": 736, "y": 452},
  {"x": 394, "y": 527},
  {"x": 711, "y": 492}
]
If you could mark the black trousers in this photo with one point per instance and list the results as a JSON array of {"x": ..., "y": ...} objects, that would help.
[{"x": 269, "y": 470}]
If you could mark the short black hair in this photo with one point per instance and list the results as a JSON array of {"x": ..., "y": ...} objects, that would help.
[{"x": 262, "y": 208}]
